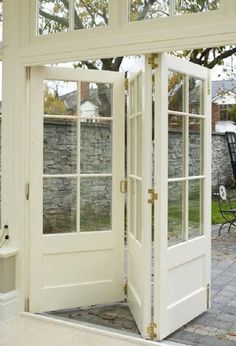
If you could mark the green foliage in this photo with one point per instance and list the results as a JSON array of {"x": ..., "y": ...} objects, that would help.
[
  {"x": 232, "y": 112},
  {"x": 52, "y": 103}
]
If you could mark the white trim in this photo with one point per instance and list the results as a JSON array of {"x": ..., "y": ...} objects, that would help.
[
  {"x": 8, "y": 305},
  {"x": 7, "y": 251}
]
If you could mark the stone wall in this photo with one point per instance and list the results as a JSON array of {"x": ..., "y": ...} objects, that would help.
[{"x": 60, "y": 157}]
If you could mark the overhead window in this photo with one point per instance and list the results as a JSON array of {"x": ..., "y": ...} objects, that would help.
[
  {"x": 148, "y": 9},
  {"x": 65, "y": 15}
]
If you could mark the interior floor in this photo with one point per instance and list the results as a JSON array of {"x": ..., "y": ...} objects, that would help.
[{"x": 116, "y": 316}]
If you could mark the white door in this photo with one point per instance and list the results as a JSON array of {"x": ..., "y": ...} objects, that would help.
[
  {"x": 139, "y": 240},
  {"x": 76, "y": 207},
  {"x": 183, "y": 183}
]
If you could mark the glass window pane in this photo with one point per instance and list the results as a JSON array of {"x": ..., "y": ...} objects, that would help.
[
  {"x": 60, "y": 97},
  {"x": 195, "y": 147},
  {"x": 59, "y": 205},
  {"x": 194, "y": 6},
  {"x": 195, "y": 95},
  {"x": 1, "y": 20},
  {"x": 139, "y": 210},
  {"x": 132, "y": 145},
  {"x": 53, "y": 16},
  {"x": 175, "y": 213},
  {"x": 60, "y": 146},
  {"x": 175, "y": 146},
  {"x": 140, "y": 94},
  {"x": 195, "y": 209},
  {"x": 142, "y": 9},
  {"x": 95, "y": 204},
  {"x": 132, "y": 205},
  {"x": 176, "y": 91},
  {"x": 90, "y": 13},
  {"x": 139, "y": 145},
  {"x": 96, "y": 100},
  {"x": 95, "y": 146}
]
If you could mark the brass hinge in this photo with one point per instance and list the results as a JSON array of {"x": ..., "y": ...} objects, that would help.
[
  {"x": 151, "y": 330},
  {"x": 126, "y": 290},
  {"x": 153, "y": 196},
  {"x": 152, "y": 60},
  {"x": 208, "y": 86},
  {"x": 208, "y": 296},
  {"x": 123, "y": 186},
  {"x": 27, "y": 191},
  {"x": 28, "y": 72},
  {"x": 126, "y": 83}
]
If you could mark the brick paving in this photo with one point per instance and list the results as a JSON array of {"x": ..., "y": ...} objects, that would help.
[{"x": 215, "y": 327}]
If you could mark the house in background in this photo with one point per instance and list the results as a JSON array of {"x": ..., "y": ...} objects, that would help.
[{"x": 223, "y": 98}]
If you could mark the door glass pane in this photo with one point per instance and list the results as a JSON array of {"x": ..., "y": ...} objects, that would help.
[
  {"x": 59, "y": 205},
  {"x": 175, "y": 213},
  {"x": 195, "y": 209},
  {"x": 53, "y": 16},
  {"x": 139, "y": 145},
  {"x": 176, "y": 91},
  {"x": 95, "y": 204},
  {"x": 195, "y": 147},
  {"x": 139, "y": 210},
  {"x": 175, "y": 146},
  {"x": 195, "y": 95},
  {"x": 90, "y": 13},
  {"x": 132, "y": 205},
  {"x": 60, "y": 97},
  {"x": 96, "y": 100},
  {"x": 60, "y": 146},
  {"x": 139, "y": 91},
  {"x": 132, "y": 145},
  {"x": 95, "y": 146},
  {"x": 141, "y": 9}
]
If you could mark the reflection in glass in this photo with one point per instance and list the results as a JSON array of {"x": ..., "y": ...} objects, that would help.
[
  {"x": 175, "y": 213},
  {"x": 176, "y": 91},
  {"x": 60, "y": 146},
  {"x": 90, "y": 13},
  {"x": 195, "y": 207},
  {"x": 175, "y": 146},
  {"x": 53, "y": 16},
  {"x": 59, "y": 205},
  {"x": 141, "y": 9},
  {"x": 60, "y": 97},
  {"x": 140, "y": 94},
  {"x": 195, "y": 147},
  {"x": 195, "y": 95},
  {"x": 96, "y": 147},
  {"x": 96, "y": 100},
  {"x": 132, "y": 205},
  {"x": 95, "y": 204}
]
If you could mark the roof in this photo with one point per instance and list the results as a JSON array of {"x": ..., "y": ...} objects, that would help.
[{"x": 221, "y": 86}]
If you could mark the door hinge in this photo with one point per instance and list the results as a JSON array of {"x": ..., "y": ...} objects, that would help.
[
  {"x": 27, "y": 191},
  {"x": 208, "y": 296},
  {"x": 151, "y": 330},
  {"x": 153, "y": 196},
  {"x": 126, "y": 290},
  {"x": 152, "y": 60},
  {"x": 126, "y": 83},
  {"x": 123, "y": 186},
  {"x": 28, "y": 72},
  {"x": 208, "y": 86}
]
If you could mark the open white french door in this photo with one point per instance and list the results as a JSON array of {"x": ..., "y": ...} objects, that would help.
[
  {"x": 139, "y": 238},
  {"x": 183, "y": 183},
  {"x": 76, "y": 206}
]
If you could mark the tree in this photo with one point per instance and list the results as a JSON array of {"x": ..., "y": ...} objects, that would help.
[{"x": 54, "y": 17}]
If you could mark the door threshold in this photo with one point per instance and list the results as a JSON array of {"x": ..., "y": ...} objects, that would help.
[{"x": 95, "y": 329}]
